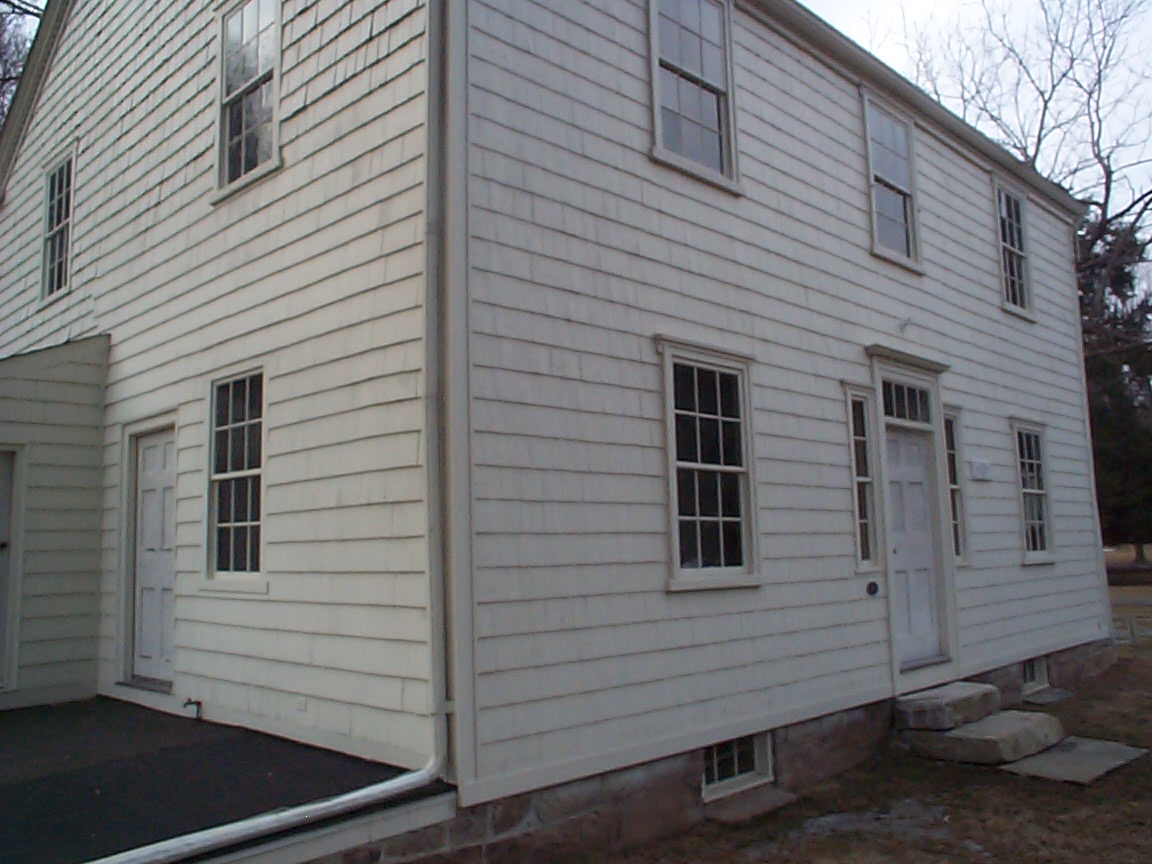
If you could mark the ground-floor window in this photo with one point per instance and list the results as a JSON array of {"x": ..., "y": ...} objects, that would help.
[{"x": 237, "y": 457}]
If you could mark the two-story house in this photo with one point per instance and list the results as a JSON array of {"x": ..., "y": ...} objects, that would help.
[{"x": 533, "y": 390}]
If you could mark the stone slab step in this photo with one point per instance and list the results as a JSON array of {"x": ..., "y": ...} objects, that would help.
[
  {"x": 1001, "y": 737},
  {"x": 947, "y": 707}
]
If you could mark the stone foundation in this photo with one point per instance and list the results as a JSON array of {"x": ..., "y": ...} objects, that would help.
[{"x": 1066, "y": 669}]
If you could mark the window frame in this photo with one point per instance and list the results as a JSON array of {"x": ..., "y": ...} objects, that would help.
[
  {"x": 866, "y": 396},
  {"x": 729, "y": 180},
  {"x": 763, "y": 770},
  {"x": 911, "y": 261},
  {"x": 954, "y": 457},
  {"x": 237, "y": 580},
  {"x": 1025, "y": 311},
  {"x": 746, "y": 575},
  {"x": 55, "y": 164},
  {"x": 223, "y": 187},
  {"x": 1046, "y": 554}
]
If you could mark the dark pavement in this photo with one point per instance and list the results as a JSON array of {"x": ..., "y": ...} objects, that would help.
[{"x": 88, "y": 779}]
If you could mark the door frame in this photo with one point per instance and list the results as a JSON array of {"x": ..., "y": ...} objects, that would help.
[
  {"x": 10, "y": 649},
  {"x": 923, "y": 374},
  {"x": 131, "y": 433}
]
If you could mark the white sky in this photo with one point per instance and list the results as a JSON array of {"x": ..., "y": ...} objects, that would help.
[{"x": 878, "y": 24}]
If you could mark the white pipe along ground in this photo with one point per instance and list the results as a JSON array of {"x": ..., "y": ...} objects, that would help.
[{"x": 267, "y": 824}]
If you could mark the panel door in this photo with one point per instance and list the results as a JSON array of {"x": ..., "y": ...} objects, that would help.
[
  {"x": 915, "y": 571},
  {"x": 7, "y": 471},
  {"x": 154, "y": 612}
]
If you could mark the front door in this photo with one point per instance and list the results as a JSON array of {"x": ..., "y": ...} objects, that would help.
[
  {"x": 154, "y": 596},
  {"x": 914, "y": 562},
  {"x": 7, "y": 470}
]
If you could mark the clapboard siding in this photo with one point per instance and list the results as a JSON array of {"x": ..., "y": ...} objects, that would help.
[
  {"x": 582, "y": 250},
  {"x": 315, "y": 275},
  {"x": 50, "y": 411}
]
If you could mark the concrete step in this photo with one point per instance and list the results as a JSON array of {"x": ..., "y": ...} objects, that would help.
[
  {"x": 947, "y": 707},
  {"x": 1001, "y": 737}
]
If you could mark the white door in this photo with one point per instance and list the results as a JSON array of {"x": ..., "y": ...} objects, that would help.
[
  {"x": 154, "y": 611},
  {"x": 915, "y": 590},
  {"x": 7, "y": 469}
]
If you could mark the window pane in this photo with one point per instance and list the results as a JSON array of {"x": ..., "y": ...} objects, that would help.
[
  {"x": 686, "y": 492},
  {"x": 689, "y": 554},
  {"x": 710, "y": 544},
  {"x": 733, "y": 545},
  {"x": 673, "y": 140},
  {"x": 224, "y": 549},
  {"x": 670, "y": 40},
  {"x": 220, "y": 464},
  {"x": 240, "y": 549},
  {"x": 709, "y": 483},
  {"x": 224, "y": 502},
  {"x": 711, "y": 23},
  {"x": 254, "y": 446},
  {"x": 690, "y": 51},
  {"x": 685, "y": 388},
  {"x": 861, "y": 455},
  {"x": 236, "y": 449},
  {"x": 686, "y": 450},
  {"x": 713, "y": 63},
  {"x": 730, "y": 396},
  {"x": 669, "y": 90},
  {"x": 710, "y": 441},
  {"x": 733, "y": 455},
  {"x": 709, "y": 395},
  {"x": 254, "y": 511},
  {"x": 254, "y": 547},
  {"x": 730, "y": 495},
  {"x": 240, "y": 500},
  {"x": 255, "y": 397}
]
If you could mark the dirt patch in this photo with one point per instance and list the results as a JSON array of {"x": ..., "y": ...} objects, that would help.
[{"x": 899, "y": 809}]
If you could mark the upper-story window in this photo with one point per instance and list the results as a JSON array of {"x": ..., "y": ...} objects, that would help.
[
  {"x": 249, "y": 51},
  {"x": 1013, "y": 260},
  {"x": 893, "y": 190},
  {"x": 57, "y": 228},
  {"x": 691, "y": 68}
]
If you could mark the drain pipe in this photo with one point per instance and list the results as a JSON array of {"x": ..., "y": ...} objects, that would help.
[{"x": 267, "y": 824}]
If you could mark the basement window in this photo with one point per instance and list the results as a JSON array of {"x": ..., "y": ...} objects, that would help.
[
  {"x": 1035, "y": 675},
  {"x": 740, "y": 763}
]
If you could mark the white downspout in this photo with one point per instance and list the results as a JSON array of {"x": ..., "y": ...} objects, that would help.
[{"x": 268, "y": 824}]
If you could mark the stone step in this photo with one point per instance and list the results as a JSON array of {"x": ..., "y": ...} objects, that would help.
[
  {"x": 1001, "y": 737},
  {"x": 947, "y": 707}
]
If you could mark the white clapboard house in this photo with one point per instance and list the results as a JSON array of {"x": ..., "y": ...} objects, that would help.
[{"x": 536, "y": 388}]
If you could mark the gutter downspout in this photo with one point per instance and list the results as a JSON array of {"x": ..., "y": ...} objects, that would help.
[{"x": 269, "y": 824}]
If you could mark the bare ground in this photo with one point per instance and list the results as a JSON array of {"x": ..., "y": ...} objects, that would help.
[{"x": 898, "y": 809}]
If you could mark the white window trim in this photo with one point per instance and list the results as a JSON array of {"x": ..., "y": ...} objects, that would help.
[
  {"x": 1046, "y": 555},
  {"x": 763, "y": 774},
  {"x": 955, "y": 415},
  {"x": 912, "y": 262},
  {"x": 729, "y": 181},
  {"x": 235, "y": 581},
  {"x": 223, "y": 189},
  {"x": 747, "y": 576},
  {"x": 50, "y": 167},
  {"x": 1026, "y": 312},
  {"x": 867, "y": 395}
]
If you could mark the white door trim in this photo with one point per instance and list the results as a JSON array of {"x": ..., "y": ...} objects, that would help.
[
  {"x": 124, "y": 626},
  {"x": 10, "y": 649},
  {"x": 910, "y": 679}
]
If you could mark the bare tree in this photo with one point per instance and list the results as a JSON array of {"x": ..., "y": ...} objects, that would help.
[{"x": 13, "y": 46}]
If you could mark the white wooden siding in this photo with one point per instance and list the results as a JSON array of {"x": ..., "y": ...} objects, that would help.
[
  {"x": 582, "y": 250},
  {"x": 50, "y": 408},
  {"x": 315, "y": 275}
]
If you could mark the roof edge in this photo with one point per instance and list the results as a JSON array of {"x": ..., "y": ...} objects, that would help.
[
  {"x": 24, "y": 100},
  {"x": 814, "y": 31}
]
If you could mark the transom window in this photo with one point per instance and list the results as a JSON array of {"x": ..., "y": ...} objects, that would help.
[
  {"x": 890, "y": 149},
  {"x": 249, "y": 59},
  {"x": 693, "y": 81},
  {"x": 57, "y": 228},
  {"x": 1013, "y": 260},
  {"x": 1030, "y": 449},
  {"x": 711, "y": 477},
  {"x": 236, "y": 461},
  {"x": 955, "y": 494},
  {"x": 863, "y": 476},
  {"x": 902, "y": 402}
]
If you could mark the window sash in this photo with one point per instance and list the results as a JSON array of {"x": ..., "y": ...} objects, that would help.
[
  {"x": 864, "y": 497},
  {"x": 1013, "y": 257},
  {"x": 237, "y": 458},
  {"x": 955, "y": 491},
  {"x": 1033, "y": 491},
  {"x": 249, "y": 46},
  {"x": 58, "y": 228}
]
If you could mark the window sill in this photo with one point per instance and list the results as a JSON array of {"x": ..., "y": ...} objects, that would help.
[
  {"x": 1033, "y": 559},
  {"x": 233, "y": 585},
  {"x": 251, "y": 178},
  {"x": 909, "y": 264},
  {"x": 693, "y": 169},
  {"x": 47, "y": 300},
  {"x": 1018, "y": 311},
  {"x": 717, "y": 580},
  {"x": 728, "y": 788}
]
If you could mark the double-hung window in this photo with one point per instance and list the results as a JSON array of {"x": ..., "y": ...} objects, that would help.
[
  {"x": 893, "y": 195},
  {"x": 1013, "y": 262},
  {"x": 955, "y": 491},
  {"x": 249, "y": 48},
  {"x": 57, "y": 229},
  {"x": 693, "y": 92},
  {"x": 237, "y": 456},
  {"x": 709, "y": 464},
  {"x": 1033, "y": 492}
]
